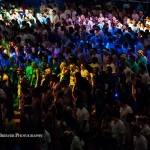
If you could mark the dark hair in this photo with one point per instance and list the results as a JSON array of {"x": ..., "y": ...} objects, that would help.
[
  {"x": 132, "y": 57},
  {"x": 54, "y": 11},
  {"x": 111, "y": 59},
  {"x": 109, "y": 69},
  {"x": 77, "y": 75},
  {"x": 94, "y": 60},
  {"x": 29, "y": 61}
]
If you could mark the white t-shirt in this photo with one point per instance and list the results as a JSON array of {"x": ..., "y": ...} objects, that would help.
[
  {"x": 128, "y": 73},
  {"x": 74, "y": 15},
  {"x": 113, "y": 67},
  {"x": 68, "y": 12},
  {"x": 76, "y": 144},
  {"x": 140, "y": 143},
  {"x": 146, "y": 79},
  {"x": 46, "y": 139},
  {"x": 146, "y": 130},
  {"x": 55, "y": 19},
  {"x": 56, "y": 9},
  {"x": 124, "y": 111},
  {"x": 50, "y": 12},
  {"x": 117, "y": 129},
  {"x": 63, "y": 15},
  {"x": 82, "y": 115},
  {"x": 135, "y": 16},
  {"x": 69, "y": 20}
]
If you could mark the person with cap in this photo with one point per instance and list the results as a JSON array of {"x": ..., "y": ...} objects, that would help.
[
  {"x": 141, "y": 17},
  {"x": 123, "y": 59},
  {"x": 141, "y": 60}
]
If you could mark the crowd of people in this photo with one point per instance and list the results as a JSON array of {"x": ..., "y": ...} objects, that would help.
[{"x": 78, "y": 74}]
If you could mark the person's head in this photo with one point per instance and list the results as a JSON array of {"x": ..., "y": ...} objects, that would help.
[
  {"x": 20, "y": 71},
  {"x": 95, "y": 70},
  {"x": 141, "y": 13},
  {"x": 94, "y": 60},
  {"x": 68, "y": 136},
  {"x": 82, "y": 17},
  {"x": 130, "y": 52},
  {"x": 134, "y": 11},
  {"x": 29, "y": 61},
  {"x": 132, "y": 59},
  {"x": 61, "y": 11},
  {"x": 34, "y": 65},
  {"x": 109, "y": 60},
  {"x": 140, "y": 53},
  {"x": 63, "y": 65},
  {"x": 42, "y": 3},
  {"x": 54, "y": 12},
  {"x": 68, "y": 16},
  {"x": 54, "y": 61},
  {"x": 12, "y": 43},
  {"x": 100, "y": 15},
  {"x": 82, "y": 66},
  {"x": 72, "y": 67},
  {"x": 77, "y": 16},
  {"x": 128, "y": 20},
  {"x": 87, "y": 19},
  {"x": 134, "y": 22},
  {"x": 93, "y": 51},
  {"x": 123, "y": 58},
  {"x": 97, "y": 29}
]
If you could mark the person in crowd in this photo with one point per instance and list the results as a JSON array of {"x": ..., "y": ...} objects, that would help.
[
  {"x": 141, "y": 58},
  {"x": 139, "y": 140},
  {"x": 118, "y": 130},
  {"x": 64, "y": 65},
  {"x": 111, "y": 64},
  {"x": 133, "y": 65},
  {"x": 35, "y": 75}
]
